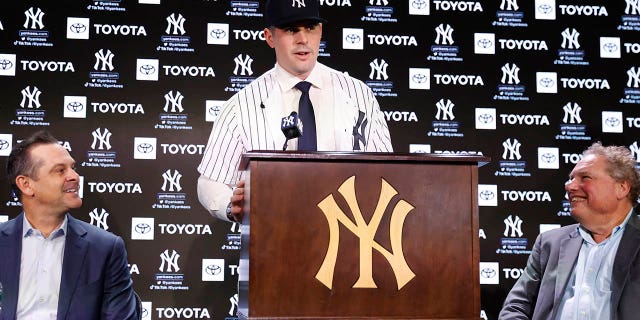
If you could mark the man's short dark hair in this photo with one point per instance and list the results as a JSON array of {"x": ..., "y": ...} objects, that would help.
[{"x": 20, "y": 162}]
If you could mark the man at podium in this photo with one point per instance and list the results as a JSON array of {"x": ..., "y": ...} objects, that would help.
[
  {"x": 589, "y": 270},
  {"x": 299, "y": 96}
]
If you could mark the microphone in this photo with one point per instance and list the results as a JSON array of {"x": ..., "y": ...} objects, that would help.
[{"x": 291, "y": 126}]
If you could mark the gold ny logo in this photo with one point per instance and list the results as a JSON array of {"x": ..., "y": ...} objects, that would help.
[{"x": 366, "y": 233}]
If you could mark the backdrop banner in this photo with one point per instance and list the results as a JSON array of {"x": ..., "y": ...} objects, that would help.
[{"x": 131, "y": 88}]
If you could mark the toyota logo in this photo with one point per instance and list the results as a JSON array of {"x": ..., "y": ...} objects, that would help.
[
  {"x": 485, "y": 118},
  {"x": 546, "y": 82},
  {"x": 147, "y": 69},
  {"x": 612, "y": 122},
  {"x": 144, "y": 147},
  {"x": 545, "y": 8},
  {"x": 419, "y": 4},
  {"x": 5, "y": 64},
  {"x": 548, "y": 157},
  {"x": 485, "y": 43},
  {"x": 610, "y": 47},
  {"x": 217, "y": 33},
  {"x": 214, "y": 111},
  {"x": 213, "y": 270},
  {"x": 486, "y": 195},
  {"x": 142, "y": 228},
  {"x": 488, "y": 273},
  {"x": 352, "y": 38},
  {"x": 419, "y": 78},
  {"x": 4, "y": 145},
  {"x": 78, "y": 28},
  {"x": 75, "y": 106}
]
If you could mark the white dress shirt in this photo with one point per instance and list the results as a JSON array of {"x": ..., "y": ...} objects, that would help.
[
  {"x": 40, "y": 272},
  {"x": 321, "y": 99}
]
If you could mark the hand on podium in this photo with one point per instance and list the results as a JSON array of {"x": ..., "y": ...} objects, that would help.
[{"x": 235, "y": 212}]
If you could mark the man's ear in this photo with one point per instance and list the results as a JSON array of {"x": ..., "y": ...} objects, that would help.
[
  {"x": 268, "y": 36},
  {"x": 24, "y": 184},
  {"x": 622, "y": 189}
]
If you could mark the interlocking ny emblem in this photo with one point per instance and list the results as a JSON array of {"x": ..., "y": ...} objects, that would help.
[{"x": 366, "y": 233}]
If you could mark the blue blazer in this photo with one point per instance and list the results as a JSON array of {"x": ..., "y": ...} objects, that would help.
[{"x": 95, "y": 283}]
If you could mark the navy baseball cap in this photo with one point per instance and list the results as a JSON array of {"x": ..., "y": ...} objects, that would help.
[{"x": 285, "y": 12}]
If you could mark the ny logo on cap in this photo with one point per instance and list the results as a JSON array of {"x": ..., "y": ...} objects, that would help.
[{"x": 298, "y": 4}]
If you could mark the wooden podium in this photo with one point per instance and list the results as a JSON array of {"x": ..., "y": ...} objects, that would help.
[{"x": 359, "y": 235}]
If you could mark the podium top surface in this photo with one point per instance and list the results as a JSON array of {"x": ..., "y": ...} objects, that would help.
[{"x": 359, "y": 157}]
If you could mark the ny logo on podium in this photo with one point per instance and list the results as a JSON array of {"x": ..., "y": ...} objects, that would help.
[{"x": 366, "y": 233}]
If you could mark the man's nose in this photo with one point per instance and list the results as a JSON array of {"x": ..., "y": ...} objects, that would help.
[
  {"x": 570, "y": 185},
  {"x": 73, "y": 175},
  {"x": 301, "y": 36}
]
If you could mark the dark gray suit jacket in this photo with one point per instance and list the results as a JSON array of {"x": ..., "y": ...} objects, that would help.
[
  {"x": 95, "y": 283},
  {"x": 538, "y": 292}
]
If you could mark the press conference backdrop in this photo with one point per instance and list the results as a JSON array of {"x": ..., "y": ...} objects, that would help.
[{"x": 131, "y": 88}]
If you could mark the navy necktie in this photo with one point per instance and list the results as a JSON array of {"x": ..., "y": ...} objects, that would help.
[{"x": 307, "y": 141}]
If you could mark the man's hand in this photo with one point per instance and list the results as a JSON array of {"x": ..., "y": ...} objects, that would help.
[{"x": 237, "y": 203}]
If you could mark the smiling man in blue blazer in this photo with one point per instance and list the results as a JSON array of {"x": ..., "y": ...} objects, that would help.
[
  {"x": 54, "y": 266},
  {"x": 588, "y": 270}
]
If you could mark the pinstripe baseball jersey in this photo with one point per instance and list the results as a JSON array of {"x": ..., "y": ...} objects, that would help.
[{"x": 251, "y": 119}]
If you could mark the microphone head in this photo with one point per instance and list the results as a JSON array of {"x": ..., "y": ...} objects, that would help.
[{"x": 291, "y": 126}]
